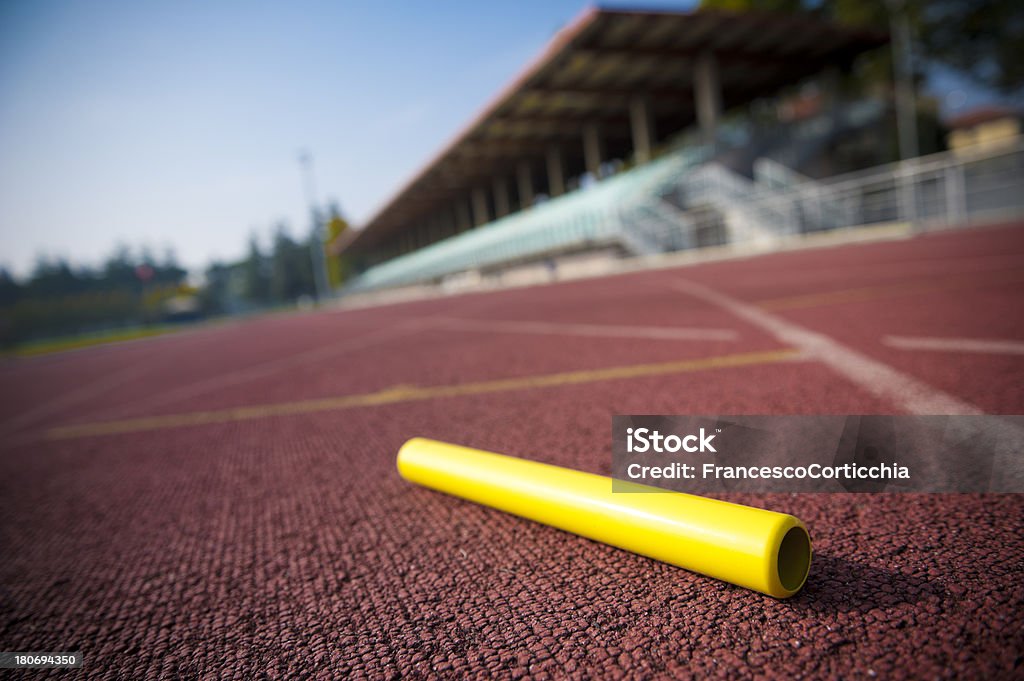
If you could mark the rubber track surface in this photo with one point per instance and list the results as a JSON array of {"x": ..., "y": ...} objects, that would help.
[{"x": 280, "y": 541}]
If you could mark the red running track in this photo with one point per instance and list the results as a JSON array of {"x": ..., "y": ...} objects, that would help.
[{"x": 223, "y": 502}]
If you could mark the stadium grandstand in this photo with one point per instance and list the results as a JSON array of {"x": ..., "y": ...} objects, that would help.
[{"x": 636, "y": 133}]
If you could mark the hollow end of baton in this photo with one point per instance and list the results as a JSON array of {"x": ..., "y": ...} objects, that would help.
[
  {"x": 792, "y": 560},
  {"x": 751, "y": 547}
]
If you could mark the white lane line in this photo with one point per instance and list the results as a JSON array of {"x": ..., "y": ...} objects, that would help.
[
  {"x": 600, "y": 330},
  {"x": 873, "y": 376},
  {"x": 979, "y": 345}
]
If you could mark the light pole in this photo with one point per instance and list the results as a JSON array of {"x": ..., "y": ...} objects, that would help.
[{"x": 316, "y": 249}]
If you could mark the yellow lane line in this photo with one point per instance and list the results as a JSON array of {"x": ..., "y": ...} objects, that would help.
[
  {"x": 889, "y": 291},
  {"x": 416, "y": 393}
]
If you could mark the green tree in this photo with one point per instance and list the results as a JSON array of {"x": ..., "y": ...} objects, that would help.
[
  {"x": 10, "y": 290},
  {"x": 119, "y": 269},
  {"x": 291, "y": 274},
  {"x": 758, "y": 5},
  {"x": 55, "y": 278},
  {"x": 59, "y": 298},
  {"x": 168, "y": 271},
  {"x": 214, "y": 294},
  {"x": 256, "y": 277},
  {"x": 983, "y": 39}
]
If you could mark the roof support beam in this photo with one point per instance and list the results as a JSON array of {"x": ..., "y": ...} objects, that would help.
[
  {"x": 495, "y": 146},
  {"x": 592, "y": 151},
  {"x": 671, "y": 97},
  {"x": 556, "y": 178},
  {"x": 480, "y": 216},
  {"x": 462, "y": 221},
  {"x": 500, "y": 197},
  {"x": 737, "y": 57},
  {"x": 708, "y": 93},
  {"x": 448, "y": 220},
  {"x": 640, "y": 122},
  {"x": 524, "y": 180},
  {"x": 523, "y": 128}
]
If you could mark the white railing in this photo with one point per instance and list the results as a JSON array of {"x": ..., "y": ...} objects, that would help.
[
  {"x": 942, "y": 190},
  {"x": 679, "y": 202},
  {"x": 946, "y": 189}
]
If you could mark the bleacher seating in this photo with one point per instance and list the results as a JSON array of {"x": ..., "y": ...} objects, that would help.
[{"x": 588, "y": 217}]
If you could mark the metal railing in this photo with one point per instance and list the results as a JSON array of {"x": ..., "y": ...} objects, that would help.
[
  {"x": 681, "y": 202},
  {"x": 942, "y": 190}
]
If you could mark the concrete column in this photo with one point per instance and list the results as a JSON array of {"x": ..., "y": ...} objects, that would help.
[
  {"x": 556, "y": 180},
  {"x": 462, "y": 221},
  {"x": 524, "y": 178},
  {"x": 831, "y": 94},
  {"x": 480, "y": 216},
  {"x": 640, "y": 123},
  {"x": 500, "y": 197},
  {"x": 450, "y": 221},
  {"x": 592, "y": 151},
  {"x": 434, "y": 225},
  {"x": 708, "y": 95}
]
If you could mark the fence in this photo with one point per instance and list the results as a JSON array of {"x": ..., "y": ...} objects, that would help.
[
  {"x": 681, "y": 202},
  {"x": 947, "y": 189},
  {"x": 942, "y": 190}
]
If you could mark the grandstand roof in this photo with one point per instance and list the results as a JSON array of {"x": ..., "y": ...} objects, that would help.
[{"x": 589, "y": 72}]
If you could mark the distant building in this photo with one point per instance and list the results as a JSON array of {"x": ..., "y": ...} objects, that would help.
[{"x": 984, "y": 127}]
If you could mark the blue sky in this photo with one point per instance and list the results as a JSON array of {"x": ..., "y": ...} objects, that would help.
[{"x": 179, "y": 124}]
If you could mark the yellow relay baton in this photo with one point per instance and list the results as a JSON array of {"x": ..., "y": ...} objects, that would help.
[{"x": 751, "y": 547}]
